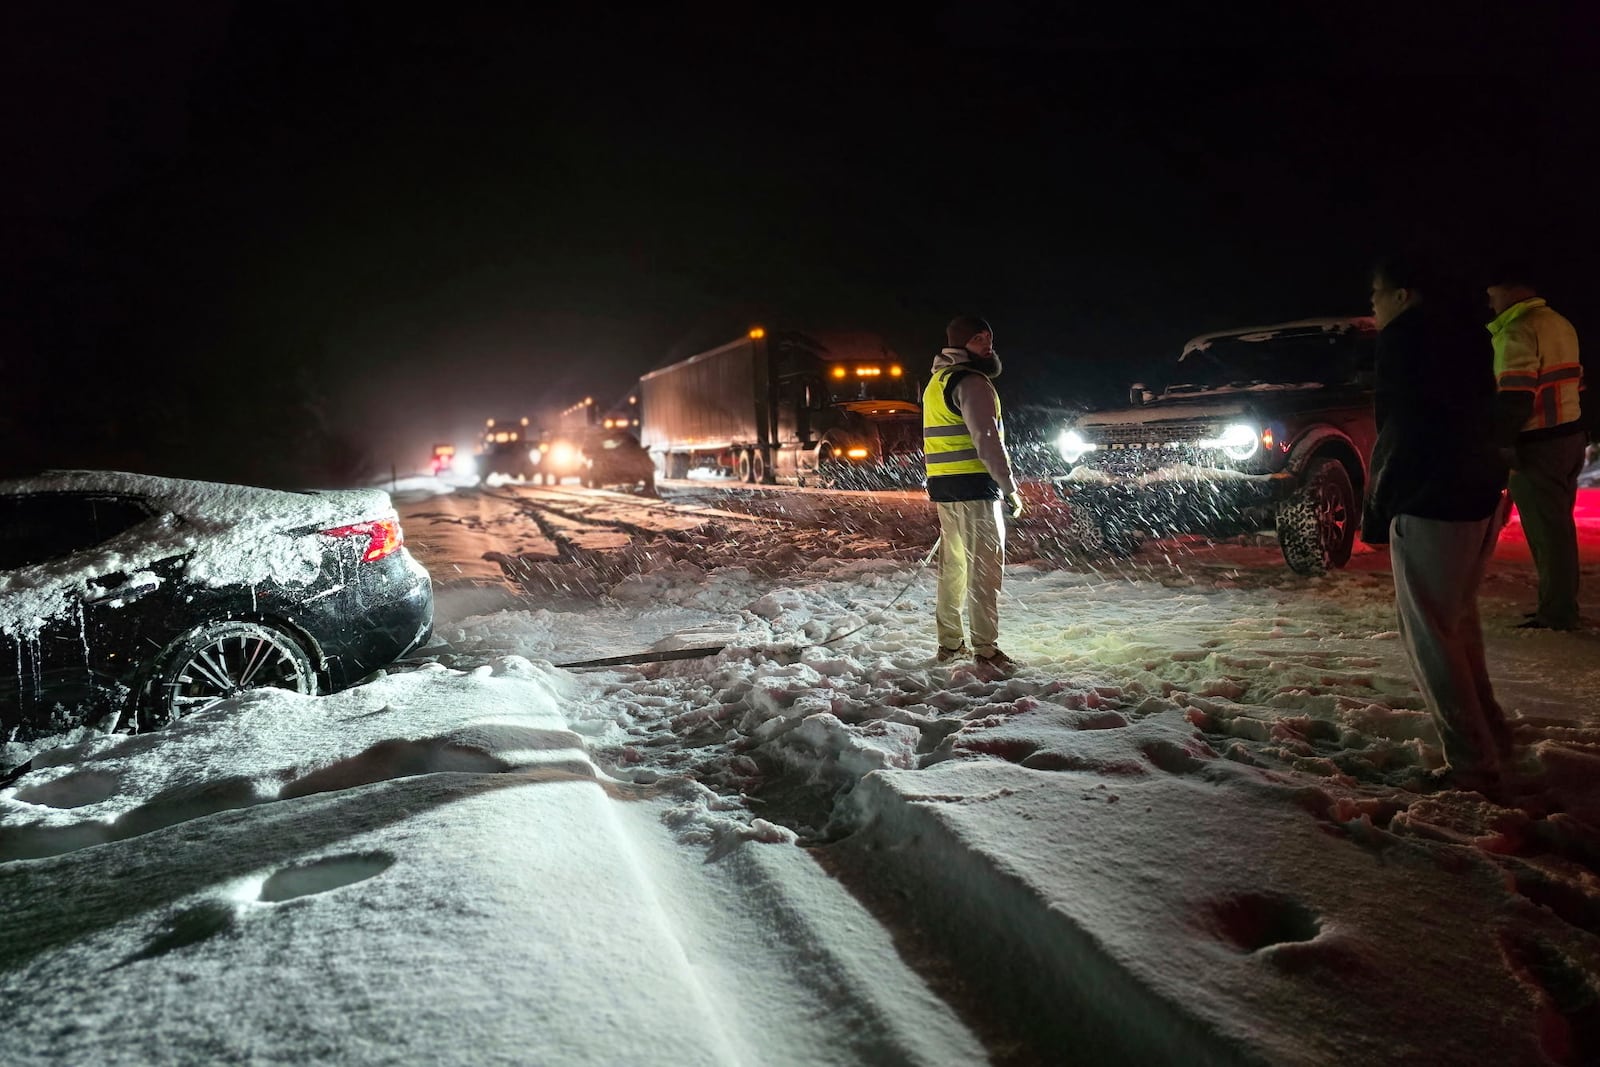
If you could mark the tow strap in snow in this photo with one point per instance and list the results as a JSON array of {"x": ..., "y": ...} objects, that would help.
[
  {"x": 711, "y": 650},
  {"x": 648, "y": 657}
]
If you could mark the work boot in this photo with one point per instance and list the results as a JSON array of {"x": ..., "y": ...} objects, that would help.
[
  {"x": 997, "y": 659},
  {"x": 945, "y": 655}
]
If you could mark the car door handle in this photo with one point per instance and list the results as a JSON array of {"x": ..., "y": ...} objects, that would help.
[{"x": 97, "y": 594}]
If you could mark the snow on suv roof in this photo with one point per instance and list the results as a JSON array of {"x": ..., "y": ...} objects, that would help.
[{"x": 1343, "y": 324}]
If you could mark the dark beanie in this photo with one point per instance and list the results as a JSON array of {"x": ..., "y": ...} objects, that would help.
[{"x": 964, "y": 328}]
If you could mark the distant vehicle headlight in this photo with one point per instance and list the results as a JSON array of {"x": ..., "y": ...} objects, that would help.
[
  {"x": 1073, "y": 446},
  {"x": 535, "y": 456},
  {"x": 1238, "y": 441},
  {"x": 561, "y": 454}
]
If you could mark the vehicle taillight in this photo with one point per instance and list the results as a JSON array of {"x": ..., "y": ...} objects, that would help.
[{"x": 383, "y": 537}]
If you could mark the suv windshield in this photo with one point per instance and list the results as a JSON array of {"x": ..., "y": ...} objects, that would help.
[{"x": 1326, "y": 359}]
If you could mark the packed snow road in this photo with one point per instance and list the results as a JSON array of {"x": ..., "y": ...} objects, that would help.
[{"x": 1191, "y": 829}]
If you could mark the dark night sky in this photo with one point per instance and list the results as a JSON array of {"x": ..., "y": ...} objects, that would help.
[{"x": 230, "y": 221}]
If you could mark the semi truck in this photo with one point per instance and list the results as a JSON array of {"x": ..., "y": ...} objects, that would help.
[{"x": 833, "y": 410}]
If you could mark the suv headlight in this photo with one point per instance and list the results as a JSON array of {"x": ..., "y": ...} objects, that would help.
[
  {"x": 1073, "y": 446},
  {"x": 1238, "y": 441}
]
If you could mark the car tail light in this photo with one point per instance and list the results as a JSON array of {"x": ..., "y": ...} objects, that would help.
[{"x": 383, "y": 537}]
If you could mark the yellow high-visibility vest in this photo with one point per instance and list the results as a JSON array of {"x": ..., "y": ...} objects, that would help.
[
  {"x": 947, "y": 445},
  {"x": 1536, "y": 351}
]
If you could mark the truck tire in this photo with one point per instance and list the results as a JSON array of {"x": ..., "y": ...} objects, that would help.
[
  {"x": 830, "y": 471},
  {"x": 1317, "y": 525},
  {"x": 758, "y": 466},
  {"x": 746, "y": 467}
]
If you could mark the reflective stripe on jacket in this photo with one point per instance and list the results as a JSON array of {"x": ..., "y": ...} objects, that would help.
[
  {"x": 1536, "y": 351},
  {"x": 947, "y": 444}
]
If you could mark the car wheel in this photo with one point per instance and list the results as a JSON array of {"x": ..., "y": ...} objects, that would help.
[
  {"x": 1317, "y": 525},
  {"x": 219, "y": 660}
]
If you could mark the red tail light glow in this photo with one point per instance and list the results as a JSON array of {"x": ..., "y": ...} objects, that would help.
[{"x": 383, "y": 537}]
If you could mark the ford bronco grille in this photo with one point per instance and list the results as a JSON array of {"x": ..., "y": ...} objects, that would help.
[{"x": 1150, "y": 435}]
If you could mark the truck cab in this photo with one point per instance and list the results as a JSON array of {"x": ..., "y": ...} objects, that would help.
[
  {"x": 859, "y": 410},
  {"x": 504, "y": 449}
]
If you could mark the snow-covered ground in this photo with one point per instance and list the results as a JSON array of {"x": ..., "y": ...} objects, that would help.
[{"x": 1191, "y": 829}]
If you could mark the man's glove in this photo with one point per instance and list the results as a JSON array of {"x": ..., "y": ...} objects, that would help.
[{"x": 1014, "y": 505}]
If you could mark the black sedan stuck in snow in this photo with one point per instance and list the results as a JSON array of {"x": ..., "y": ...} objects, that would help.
[{"x": 132, "y": 599}]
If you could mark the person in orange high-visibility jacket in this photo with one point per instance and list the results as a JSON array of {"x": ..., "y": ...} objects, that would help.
[
  {"x": 969, "y": 473},
  {"x": 1539, "y": 428}
]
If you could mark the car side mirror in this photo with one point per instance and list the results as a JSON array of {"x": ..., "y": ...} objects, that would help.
[{"x": 1139, "y": 393}]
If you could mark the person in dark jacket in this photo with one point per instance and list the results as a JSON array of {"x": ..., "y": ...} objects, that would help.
[{"x": 1436, "y": 496}]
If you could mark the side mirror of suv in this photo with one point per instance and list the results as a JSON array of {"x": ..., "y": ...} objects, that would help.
[{"x": 1139, "y": 393}]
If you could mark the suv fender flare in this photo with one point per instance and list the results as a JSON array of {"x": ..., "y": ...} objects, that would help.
[{"x": 1326, "y": 441}]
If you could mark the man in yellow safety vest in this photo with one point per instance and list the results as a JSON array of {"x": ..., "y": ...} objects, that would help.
[
  {"x": 1540, "y": 429},
  {"x": 969, "y": 474}
]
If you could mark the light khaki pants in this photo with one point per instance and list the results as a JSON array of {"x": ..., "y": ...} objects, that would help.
[
  {"x": 972, "y": 556},
  {"x": 1437, "y": 569}
]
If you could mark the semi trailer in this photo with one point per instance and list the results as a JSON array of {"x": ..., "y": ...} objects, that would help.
[{"x": 836, "y": 410}]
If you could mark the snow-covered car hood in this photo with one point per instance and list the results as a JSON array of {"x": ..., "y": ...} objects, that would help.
[{"x": 232, "y": 534}]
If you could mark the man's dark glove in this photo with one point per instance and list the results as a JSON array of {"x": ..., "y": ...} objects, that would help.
[{"x": 1014, "y": 505}]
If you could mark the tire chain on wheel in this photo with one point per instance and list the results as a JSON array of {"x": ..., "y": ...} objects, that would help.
[{"x": 1298, "y": 526}]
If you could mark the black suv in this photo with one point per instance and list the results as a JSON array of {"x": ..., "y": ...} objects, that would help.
[{"x": 1260, "y": 429}]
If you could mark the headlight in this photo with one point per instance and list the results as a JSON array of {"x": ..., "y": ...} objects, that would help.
[
  {"x": 857, "y": 453},
  {"x": 1073, "y": 446},
  {"x": 561, "y": 454},
  {"x": 1238, "y": 441}
]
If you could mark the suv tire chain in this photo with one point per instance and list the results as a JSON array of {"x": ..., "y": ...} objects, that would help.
[{"x": 1300, "y": 530}]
